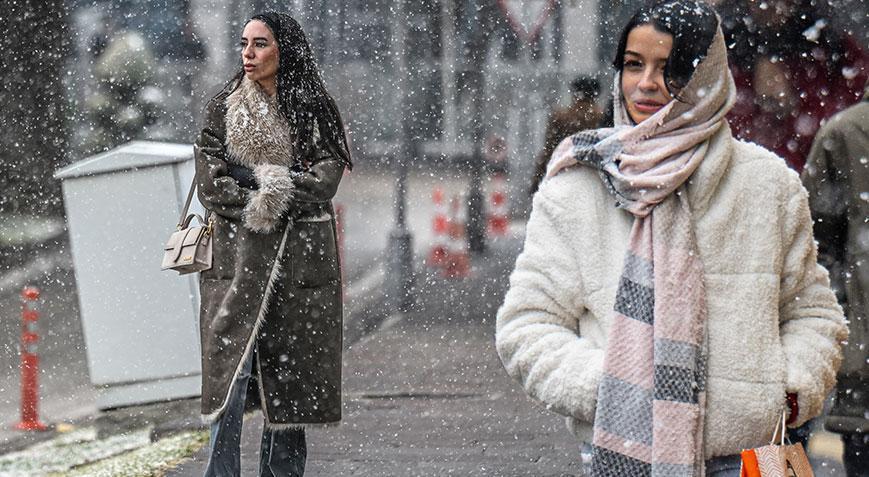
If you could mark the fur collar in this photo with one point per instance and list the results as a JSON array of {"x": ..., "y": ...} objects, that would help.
[{"x": 256, "y": 131}]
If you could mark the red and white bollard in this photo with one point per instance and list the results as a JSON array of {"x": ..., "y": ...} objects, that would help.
[
  {"x": 440, "y": 228},
  {"x": 29, "y": 362},
  {"x": 499, "y": 219},
  {"x": 457, "y": 262}
]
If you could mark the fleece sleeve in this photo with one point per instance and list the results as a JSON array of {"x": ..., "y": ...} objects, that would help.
[
  {"x": 537, "y": 332},
  {"x": 217, "y": 190},
  {"x": 812, "y": 325},
  {"x": 280, "y": 186}
]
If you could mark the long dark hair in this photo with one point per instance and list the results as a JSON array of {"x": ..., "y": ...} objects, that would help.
[
  {"x": 692, "y": 24},
  {"x": 301, "y": 94}
]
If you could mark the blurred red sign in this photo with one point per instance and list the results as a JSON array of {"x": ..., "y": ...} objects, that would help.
[{"x": 527, "y": 17}]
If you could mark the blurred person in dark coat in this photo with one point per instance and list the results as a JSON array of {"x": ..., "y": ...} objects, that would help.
[
  {"x": 793, "y": 68},
  {"x": 837, "y": 178},
  {"x": 583, "y": 113}
]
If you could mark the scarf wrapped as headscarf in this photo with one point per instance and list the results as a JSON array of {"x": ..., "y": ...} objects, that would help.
[{"x": 651, "y": 400}]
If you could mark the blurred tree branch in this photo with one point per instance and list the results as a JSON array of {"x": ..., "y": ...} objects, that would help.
[{"x": 33, "y": 130}]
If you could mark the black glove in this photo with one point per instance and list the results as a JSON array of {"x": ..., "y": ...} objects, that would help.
[{"x": 243, "y": 176}]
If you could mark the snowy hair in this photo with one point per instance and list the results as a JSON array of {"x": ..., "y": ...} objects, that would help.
[
  {"x": 691, "y": 23},
  {"x": 301, "y": 93}
]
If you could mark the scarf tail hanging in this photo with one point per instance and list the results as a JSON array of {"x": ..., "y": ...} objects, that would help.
[
  {"x": 651, "y": 402},
  {"x": 652, "y": 396}
]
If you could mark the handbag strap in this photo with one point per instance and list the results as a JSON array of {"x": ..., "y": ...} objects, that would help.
[
  {"x": 779, "y": 426},
  {"x": 183, "y": 218}
]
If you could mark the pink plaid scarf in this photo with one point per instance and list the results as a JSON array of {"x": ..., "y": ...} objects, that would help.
[{"x": 651, "y": 400}]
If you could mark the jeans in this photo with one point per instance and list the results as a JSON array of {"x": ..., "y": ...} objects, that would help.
[
  {"x": 800, "y": 435},
  {"x": 725, "y": 466},
  {"x": 282, "y": 453}
]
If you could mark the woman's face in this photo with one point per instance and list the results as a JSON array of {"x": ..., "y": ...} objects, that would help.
[
  {"x": 259, "y": 53},
  {"x": 643, "y": 85}
]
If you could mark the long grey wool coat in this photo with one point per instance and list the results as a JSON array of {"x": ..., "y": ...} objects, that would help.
[{"x": 274, "y": 289}]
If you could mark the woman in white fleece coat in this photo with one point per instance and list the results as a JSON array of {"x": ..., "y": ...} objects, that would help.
[{"x": 763, "y": 326}]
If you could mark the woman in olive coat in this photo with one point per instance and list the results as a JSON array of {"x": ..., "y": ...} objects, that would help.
[{"x": 268, "y": 162}]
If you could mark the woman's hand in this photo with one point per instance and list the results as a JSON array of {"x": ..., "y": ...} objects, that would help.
[
  {"x": 243, "y": 176},
  {"x": 793, "y": 408}
]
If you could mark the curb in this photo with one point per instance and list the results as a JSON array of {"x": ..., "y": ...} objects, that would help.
[
  {"x": 35, "y": 268},
  {"x": 364, "y": 306}
]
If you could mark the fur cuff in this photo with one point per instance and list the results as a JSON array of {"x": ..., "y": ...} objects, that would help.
[
  {"x": 267, "y": 205},
  {"x": 284, "y": 427}
]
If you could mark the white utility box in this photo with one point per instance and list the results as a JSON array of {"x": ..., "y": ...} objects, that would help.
[{"x": 140, "y": 324}]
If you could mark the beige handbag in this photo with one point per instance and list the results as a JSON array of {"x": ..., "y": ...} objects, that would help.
[
  {"x": 776, "y": 460},
  {"x": 189, "y": 248}
]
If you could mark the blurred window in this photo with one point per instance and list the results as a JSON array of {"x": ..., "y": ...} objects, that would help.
[
  {"x": 424, "y": 30},
  {"x": 366, "y": 29}
]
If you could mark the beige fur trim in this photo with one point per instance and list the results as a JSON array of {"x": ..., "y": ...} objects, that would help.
[
  {"x": 256, "y": 131},
  {"x": 298, "y": 426},
  {"x": 284, "y": 427},
  {"x": 267, "y": 205}
]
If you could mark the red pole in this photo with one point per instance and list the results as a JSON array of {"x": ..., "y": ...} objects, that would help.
[{"x": 29, "y": 363}]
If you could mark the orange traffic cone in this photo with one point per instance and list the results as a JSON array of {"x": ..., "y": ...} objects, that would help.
[
  {"x": 457, "y": 263},
  {"x": 440, "y": 227},
  {"x": 498, "y": 220}
]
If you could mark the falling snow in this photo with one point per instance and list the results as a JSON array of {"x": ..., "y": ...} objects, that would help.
[{"x": 448, "y": 105}]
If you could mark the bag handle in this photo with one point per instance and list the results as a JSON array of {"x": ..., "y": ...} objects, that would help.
[
  {"x": 779, "y": 426},
  {"x": 184, "y": 220}
]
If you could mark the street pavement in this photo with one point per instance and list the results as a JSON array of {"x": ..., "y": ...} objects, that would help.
[
  {"x": 66, "y": 395},
  {"x": 426, "y": 395},
  {"x": 65, "y": 391},
  {"x": 424, "y": 391}
]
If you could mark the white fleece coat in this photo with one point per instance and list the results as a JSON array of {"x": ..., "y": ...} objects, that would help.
[{"x": 773, "y": 323}]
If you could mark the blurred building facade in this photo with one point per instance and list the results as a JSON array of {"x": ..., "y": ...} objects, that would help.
[
  {"x": 448, "y": 45},
  {"x": 356, "y": 44}
]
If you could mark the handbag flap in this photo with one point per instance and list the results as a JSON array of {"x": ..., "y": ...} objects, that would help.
[{"x": 189, "y": 236}]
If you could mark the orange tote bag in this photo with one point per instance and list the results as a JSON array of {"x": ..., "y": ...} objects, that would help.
[{"x": 776, "y": 460}]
